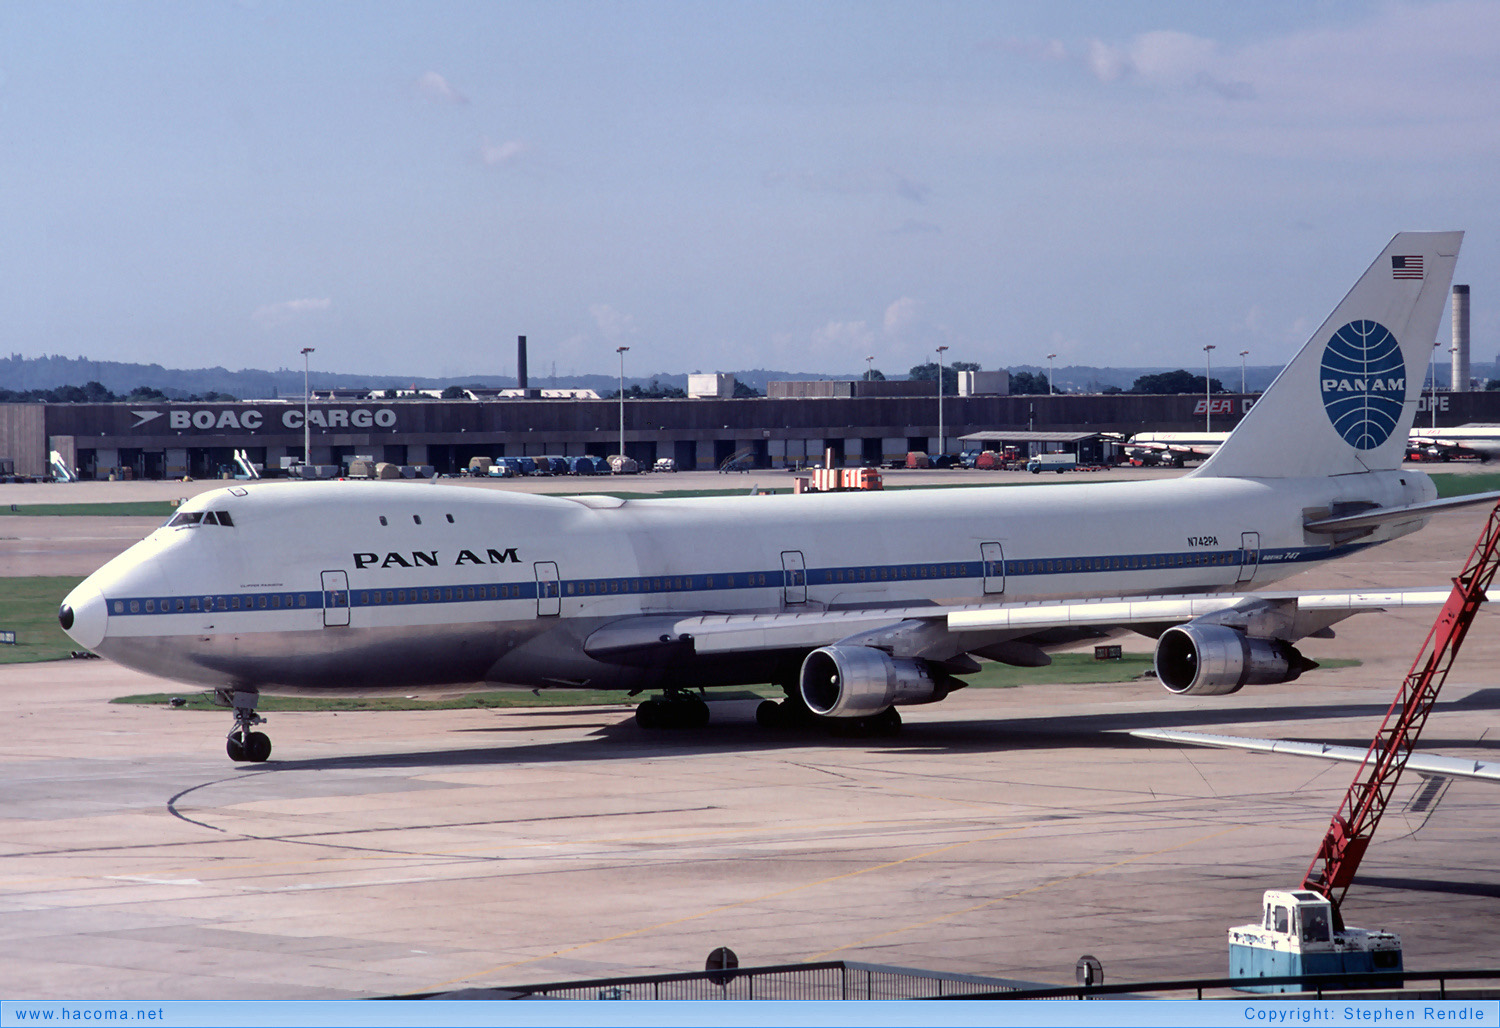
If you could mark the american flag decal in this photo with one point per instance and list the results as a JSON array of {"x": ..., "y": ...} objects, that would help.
[{"x": 1406, "y": 267}]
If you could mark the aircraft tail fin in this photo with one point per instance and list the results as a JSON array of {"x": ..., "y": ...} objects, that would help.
[{"x": 1346, "y": 402}]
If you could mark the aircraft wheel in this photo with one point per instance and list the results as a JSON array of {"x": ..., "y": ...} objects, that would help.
[
  {"x": 768, "y": 715},
  {"x": 235, "y": 746},
  {"x": 695, "y": 713},
  {"x": 648, "y": 715},
  {"x": 257, "y": 747},
  {"x": 887, "y": 722}
]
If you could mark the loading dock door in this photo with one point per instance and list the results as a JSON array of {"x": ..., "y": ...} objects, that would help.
[
  {"x": 793, "y": 577},
  {"x": 1249, "y": 555},
  {"x": 335, "y": 599},
  {"x": 994, "y": 567},
  {"x": 548, "y": 595}
]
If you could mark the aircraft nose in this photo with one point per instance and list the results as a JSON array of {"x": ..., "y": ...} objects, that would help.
[{"x": 83, "y": 615}]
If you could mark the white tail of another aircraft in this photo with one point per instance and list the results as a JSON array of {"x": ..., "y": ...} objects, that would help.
[{"x": 1346, "y": 402}]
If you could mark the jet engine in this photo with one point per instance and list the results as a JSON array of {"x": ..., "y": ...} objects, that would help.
[
  {"x": 1214, "y": 660},
  {"x": 858, "y": 681}
]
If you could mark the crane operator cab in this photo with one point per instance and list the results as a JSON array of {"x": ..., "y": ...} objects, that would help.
[{"x": 1297, "y": 935}]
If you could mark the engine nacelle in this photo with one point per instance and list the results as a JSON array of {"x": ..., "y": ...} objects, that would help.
[
  {"x": 858, "y": 681},
  {"x": 1215, "y": 660}
]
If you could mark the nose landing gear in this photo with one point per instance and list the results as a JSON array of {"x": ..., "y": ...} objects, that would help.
[{"x": 243, "y": 744}]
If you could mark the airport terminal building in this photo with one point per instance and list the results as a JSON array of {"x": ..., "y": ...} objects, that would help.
[{"x": 862, "y": 422}]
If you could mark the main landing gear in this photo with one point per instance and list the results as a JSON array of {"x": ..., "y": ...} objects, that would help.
[
  {"x": 676, "y": 709},
  {"x": 792, "y": 714},
  {"x": 243, "y": 744}
]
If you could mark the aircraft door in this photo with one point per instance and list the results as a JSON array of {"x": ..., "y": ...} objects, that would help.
[
  {"x": 993, "y": 559},
  {"x": 793, "y": 577},
  {"x": 548, "y": 593},
  {"x": 1249, "y": 555},
  {"x": 335, "y": 599}
]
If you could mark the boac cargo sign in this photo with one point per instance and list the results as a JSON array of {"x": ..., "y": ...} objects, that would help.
[{"x": 253, "y": 419}]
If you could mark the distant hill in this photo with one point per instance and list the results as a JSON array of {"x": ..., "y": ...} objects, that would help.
[{"x": 50, "y": 372}]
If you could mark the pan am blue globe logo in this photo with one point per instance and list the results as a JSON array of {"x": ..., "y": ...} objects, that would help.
[{"x": 1364, "y": 383}]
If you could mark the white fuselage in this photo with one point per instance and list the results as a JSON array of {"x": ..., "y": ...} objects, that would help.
[{"x": 370, "y": 586}]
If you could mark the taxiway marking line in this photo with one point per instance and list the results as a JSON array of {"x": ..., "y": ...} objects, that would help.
[
  {"x": 465, "y": 853},
  {"x": 824, "y": 955},
  {"x": 729, "y": 906}
]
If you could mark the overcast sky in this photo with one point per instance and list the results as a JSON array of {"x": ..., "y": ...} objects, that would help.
[{"x": 408, "y": 186}]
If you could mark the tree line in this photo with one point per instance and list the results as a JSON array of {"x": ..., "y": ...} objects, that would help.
[{"x": 95, "y": 392}]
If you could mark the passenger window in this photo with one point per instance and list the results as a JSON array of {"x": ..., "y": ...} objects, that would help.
[
  {"x": 382, "y": 519},
  {"x": 417, "y": 518},
  {"x": 450, "y": 519}
]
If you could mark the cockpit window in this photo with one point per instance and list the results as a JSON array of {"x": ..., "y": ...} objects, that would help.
[{"x": 200, "y": 517}]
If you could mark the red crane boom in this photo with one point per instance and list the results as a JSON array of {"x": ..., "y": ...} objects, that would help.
[{"x": 1354, "y": 824}]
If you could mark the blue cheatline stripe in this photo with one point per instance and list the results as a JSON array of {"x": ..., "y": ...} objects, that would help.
[{"x": 643, "y": 585}]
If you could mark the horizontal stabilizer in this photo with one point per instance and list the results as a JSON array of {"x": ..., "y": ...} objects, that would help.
[
  {"x": 1423, "y": 763},
  {"x": 1385, "y": 515}
]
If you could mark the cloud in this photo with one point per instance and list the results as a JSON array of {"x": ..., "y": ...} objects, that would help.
[
  {"x": 613, "y": 325},
  {"x": 1167, "y": 60},
  {"x": 274, "y": 314},
  {"x": 901, "y": 315},
  {"x": 497, "y": 154},
  {"x": 843, "y": 338},
  {"x": 434, "y": 87}
]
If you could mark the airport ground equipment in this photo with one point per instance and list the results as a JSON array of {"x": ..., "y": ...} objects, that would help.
[
  {"x": 839, "y": 480},
  {"x": 1302, "y": 930}
]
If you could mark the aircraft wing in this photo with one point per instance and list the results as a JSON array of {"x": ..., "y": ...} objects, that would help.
[
  {"x": 1423, "y": 763},
  {"x": 924, "y": 630}
]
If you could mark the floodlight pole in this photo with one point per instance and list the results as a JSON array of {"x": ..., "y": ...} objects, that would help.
[
  {"x": 1050, "y": 387},
  {"x": 306, "y": 408},
  {"x": 941, "y": 447},
  {"x": 1243, "y": 355},
  {"x": 621, "y": 351},
  {"x": 1208, "y": 403}
]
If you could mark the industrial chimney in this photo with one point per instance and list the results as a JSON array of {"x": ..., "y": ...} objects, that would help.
[
  {"x": 1460, "y": 339},
  {"x": 521, "y": 357}
]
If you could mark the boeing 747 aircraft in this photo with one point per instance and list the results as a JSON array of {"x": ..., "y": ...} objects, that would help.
[
  {"x": 855, "y": 604},
  {"x": 1482, "y": 441}
]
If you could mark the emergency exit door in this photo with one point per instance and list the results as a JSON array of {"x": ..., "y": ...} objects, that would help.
[
  {"x": 1249, "y": 555},
  {"x": 793, "y": 577},
  {"x": 335, "y": 599},
  {"x": 993, "y": 559},
  {"x": 548, "y": 594}
]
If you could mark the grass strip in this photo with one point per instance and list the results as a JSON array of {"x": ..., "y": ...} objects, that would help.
[{"x": 28, "y": 607}]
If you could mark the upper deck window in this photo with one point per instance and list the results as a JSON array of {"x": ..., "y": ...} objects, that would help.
[{"x": 201, "y": 517}]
